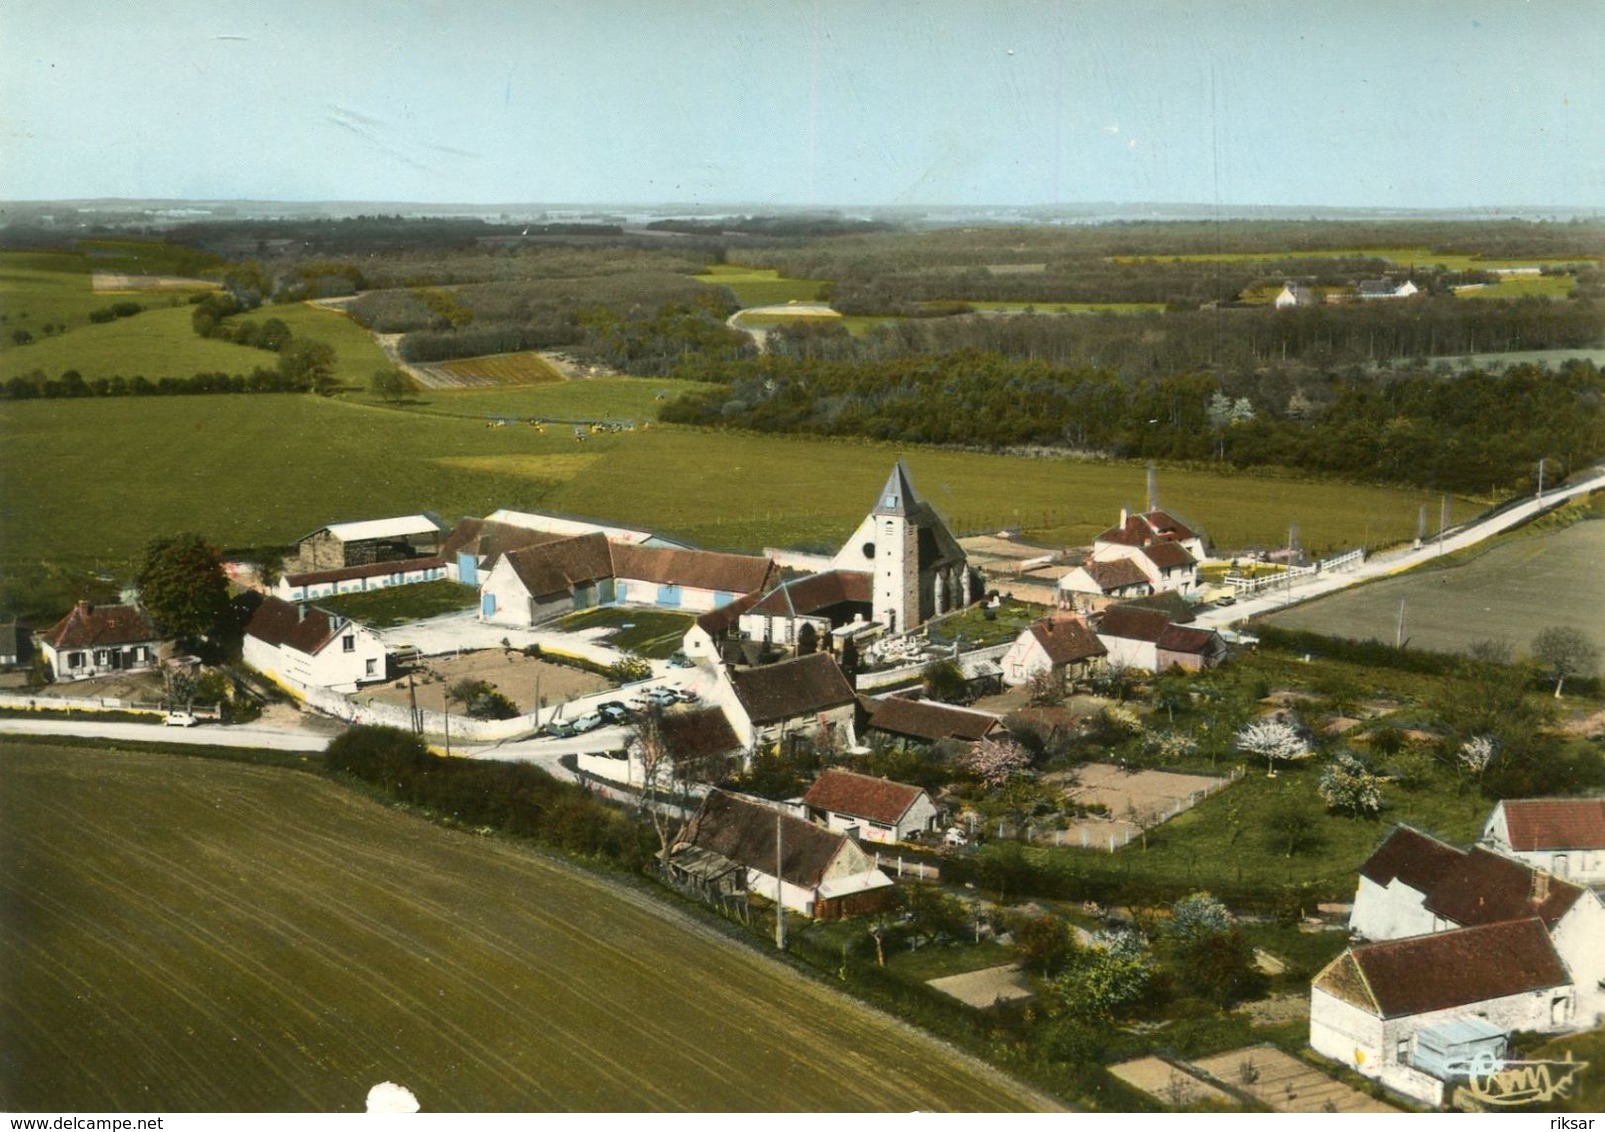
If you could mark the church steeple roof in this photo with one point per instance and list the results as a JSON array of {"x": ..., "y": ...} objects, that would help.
[{"x": 898, "y": 497}]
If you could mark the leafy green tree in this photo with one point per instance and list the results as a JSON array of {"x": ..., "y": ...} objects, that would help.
[
  {"x": 944, "y": 681},
  {"x": 1044, "y": 943},
  {"x": 1565, "y": 652},
  {"x": 183, "y": 588},
  {"x": 388, "y": 383},
  {"x": 308, "y": 364},
  {"x": 1103, "y": 980},
  {"x": 1348, "y": 786}
]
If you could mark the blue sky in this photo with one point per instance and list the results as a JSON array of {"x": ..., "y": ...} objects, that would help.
[{"x": 1369, "y": 103}]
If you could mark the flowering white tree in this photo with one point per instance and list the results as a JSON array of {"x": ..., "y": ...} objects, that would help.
[
  {"x": 1273, "y": 740},
  {"x": 1347, "y": 784},
  {"x": 995, "y": 761},
  {"x": 1477, "y": 753}
]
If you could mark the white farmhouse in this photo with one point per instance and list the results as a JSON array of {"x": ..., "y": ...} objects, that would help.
[
  {"x": 868, "y": 808},
  {"x": 1564, "y": 835},
  {"x": 301, "y": 646}
]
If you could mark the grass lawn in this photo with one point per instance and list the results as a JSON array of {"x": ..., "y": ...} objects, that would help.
[
  {"x": 1588, "y": 1091},
  {"x": 245, "y": 938},
  {"x": 357, "y": 355},
  {"x": 1545, "y": 286},
  {"x": 654, "y": 633},
  {"x": 590, "y": 399},
  {"x": 525, "y": 367},
  {"x": 400, "y": 605},
  {"x": 1006, "y": 623},
  {"x": 761, "y": 286},
  {"x": 935, "y": 961}
]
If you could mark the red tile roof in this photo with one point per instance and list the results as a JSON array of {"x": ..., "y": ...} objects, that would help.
[
  {"x": 698, "y": 734},
  {"x": 1168, "y": 555},
  {"x": 1413, "y": 857},
  {"x": 860, "y": 796},
  {"x": 281, "y": 623},
  {"x": 1115, "y": 575},
  {"x": 1458, "y": 968},
  {"x": 1485, "y": 888},
  {"x": 1067, "y": 639},
  {"x": 792, "y": 688},
  {"x": 1148, "y": 527},
  {"x": 89, "y": 626},
  {"x": 695, "y": 569},
  {"x": 817, "y": 591},
  {"x": 1184, "y": 639},
  {"x": 1555, "y": 823},
  {"x": 718, "y": 622},
  {"x": 552, "y": 569},
  {"x": 920, "y": 719},
  {"x": 1133, "y": 624}
]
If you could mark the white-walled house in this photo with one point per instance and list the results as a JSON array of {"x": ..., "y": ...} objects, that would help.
[
  {"x": 1147, "y": 639},
  {"x": 868, "y": 808},
  {"x": 1395, "y": 882},
  {"x": 314, "y": 584},
  {"x": 1062, "y": 643},
  {"x": 701, "y": 735},
  {"x": 804, "y": 695},
  {"x": 302, "y": 646},
  {"x": 1564, "y": 835},
  {"x": 1145, "y": 528},
  {"x": 733, "y": 844},
  {"x": 1371, "y": 1007},
  {"x": 97, "y": 640}
]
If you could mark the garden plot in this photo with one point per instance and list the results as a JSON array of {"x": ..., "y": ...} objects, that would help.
[
  {"x": 1135, "y": 800},
  {"x": 1173, "y": 1085},
  {"x": 987, "y": 987},
  {"x": 1285, "y": 1083}
]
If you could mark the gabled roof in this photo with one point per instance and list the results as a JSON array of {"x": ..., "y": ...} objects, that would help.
[
  {"x": 698, "y": 734},
  {"x": 89, "y": 626},
  {"x": 282, "y": 624},
  {"x": 791, "y": 688},
  {"x": 1485, "y": 888},
  {"x": 1168, "y": 602},
  {"x": 697, "y": 569},
  {"x": 803, "y": 596},
  {"x": 1133, "y": 624},
  {"x": 1066, "y": 639},
  {"x": 861, "y": 796},
  {"x": 1478, "y": 887},
  {"x": 1402, "y": 977},
  {"x": 1413, "y": 857},
  {"x": 1168, "y": 555},
  {"x": 367, "y": 529},
  {"x": 1115, "y": 575},
  {"x": 1555, "y": 823},
  {"x": 744, "y": 832},
  {"x": 371, "y": 570},
  {"x": 552, "y": 569},
  {"x": 717, "y": 622},
  {"x": 921, "y": 719},
  {"x": 489, "y": 539},
  {"x": 1147, "y": 527},
  {"x": 1184, "y": 639}
]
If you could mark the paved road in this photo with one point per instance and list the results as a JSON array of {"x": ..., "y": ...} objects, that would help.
[
  {"x": 1396, "y": 562},
  {"x": 204, "y": 735}
]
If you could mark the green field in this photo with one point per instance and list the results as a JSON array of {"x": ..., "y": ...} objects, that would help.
[
  {"x": 761, "y": 286},
  {"x": 1544, "y": 286},
  {"x": 401, "y": 605},
  {"x": 245, "y": 938},
  {"x": 1508, "y": 592},
  {"x": 263, "y": 469},
  {"x": 1066, "y": 308},
  {"x": 589, "y": 399},
  {"x": 526, "y": 367},
  {"x": 655, "y": 633},
  {"x": 37, "y": 288},
  {"x": 1404, "y": 256}
]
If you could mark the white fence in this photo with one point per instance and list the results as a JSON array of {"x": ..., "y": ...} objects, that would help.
[
  {"x": 1244, "y": 584},
  {"x": 968, "y": 662},
  {"x": 47, "y": 702}
]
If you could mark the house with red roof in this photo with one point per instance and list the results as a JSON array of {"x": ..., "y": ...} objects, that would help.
[
  {"x": 1392, "y": 1010},
  {"x": 868, "y": 808},
  {"x": 300, "y": 646},
  {"x": 806, "y": 695},
  {"x": 923, "y": 722},
  {"x": 1063, "y": 644},
  {"x": 1461, "y": 947},
  {"x": 1564, "y": 835},
  {"x": 1138, "y": 637},
  {"x": 97, "y": 640}
]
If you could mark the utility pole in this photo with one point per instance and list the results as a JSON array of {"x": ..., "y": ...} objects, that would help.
[
  {"x": 1398, "y": 634},
  {"x": 445, "y": 707},
  {"x": 412, "y": 695},
  {"x": 780, "y": 883},
  {"x": 1443, "y": 522},
  {"x": 1540, "y": 477}
]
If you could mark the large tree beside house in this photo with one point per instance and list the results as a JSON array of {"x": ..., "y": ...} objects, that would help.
[{"x": 183, "y": 588}]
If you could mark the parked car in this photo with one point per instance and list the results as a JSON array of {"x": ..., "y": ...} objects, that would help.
[
  {"x": 588, "y": 723},
  {"x": 680, "y": 660},
  {"x": 180, "y": 719},
  {"x": 562, "y": 730},
  {"x": 663, "y": 697},
  {"x": 1229, "y": 599},
  {"x": 613, "y": 711}
]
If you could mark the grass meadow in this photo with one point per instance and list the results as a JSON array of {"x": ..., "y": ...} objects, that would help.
[
  {"x": 1505, "y": 591},
  {"x": 761, "y": 286},
  {"x": 525, "y": 367},
  {"x": 246, "y": 938},
  {"x": 1403, "y": 256},
  {"x": 402, "y": 605},
  {"x": 88, "y": 482}
]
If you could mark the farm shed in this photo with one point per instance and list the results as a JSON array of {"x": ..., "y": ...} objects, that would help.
[
  {"x": 94, "y": 640},
  {"x": 363, "y": 543},
  {"x": 821, "y": 874},
  {"x": 314, "y": 584},
  {"x": 869, "y": 809},
  {"x": 923, "y": 721}
]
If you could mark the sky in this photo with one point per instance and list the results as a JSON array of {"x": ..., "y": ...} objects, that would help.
[{"x": 834, "y": 103}]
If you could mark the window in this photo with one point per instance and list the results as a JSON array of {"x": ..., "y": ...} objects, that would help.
[
  {"x": 1559, "y": 1009},
  {"x": 1401, "y": 1051},
  {"x": 373, "y": 667},
  {"x": 1561, "y": 865},
  {"x": 349, "y": 642},
  {"x": 101, "y": 657},
  {"x": 75, "y": 660}
]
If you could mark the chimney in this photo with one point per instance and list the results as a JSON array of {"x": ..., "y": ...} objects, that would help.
[
  {"x": 1540, "y": 886},
  {"x": 300, "y": 612},
  {"x": 1123, "y": 516}
]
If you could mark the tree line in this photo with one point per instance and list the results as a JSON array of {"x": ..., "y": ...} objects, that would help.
[{"x": 1469, "y": 433}]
